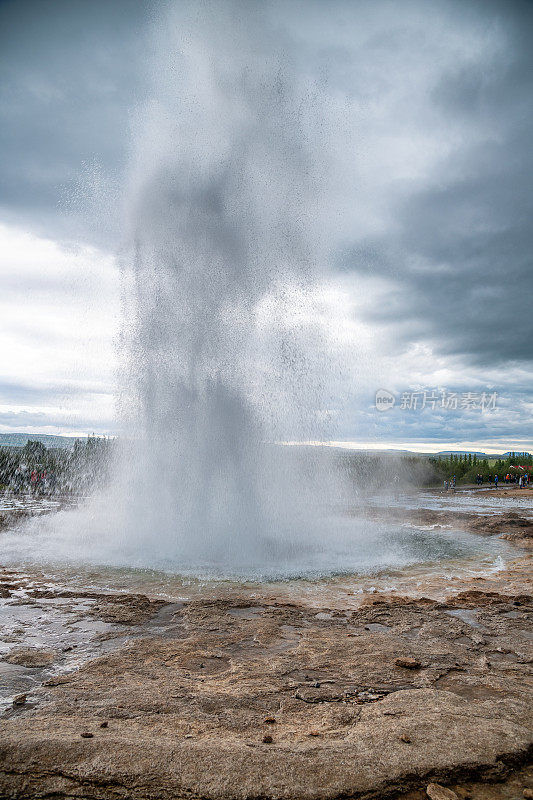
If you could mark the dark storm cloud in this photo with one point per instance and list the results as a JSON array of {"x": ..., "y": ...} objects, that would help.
[
  {"x": 454, "y": 233},
  {"x": 501, "y": 422},
  {"x": 70, "y": 76},
  {"x": 460, "y": 253}
]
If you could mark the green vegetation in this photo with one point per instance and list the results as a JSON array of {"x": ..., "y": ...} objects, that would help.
[{"x": 466, "y": 467}]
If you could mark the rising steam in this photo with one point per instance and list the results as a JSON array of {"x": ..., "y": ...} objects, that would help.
[
  {"x": 225, "y": 247},
  {"x": 223, "y": 356}
]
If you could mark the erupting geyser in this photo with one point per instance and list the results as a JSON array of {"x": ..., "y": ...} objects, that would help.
[
  {"x": 233, "y": 207},
  {"x": 222, "y": 348},
  {"x": 223, "y": 358}
]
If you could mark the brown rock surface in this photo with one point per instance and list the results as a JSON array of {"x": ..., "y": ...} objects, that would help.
[
  {"x": 30, "y": 657},
  {"x": 186, "y": 707},
  {"x": 408, "y": 663},
  {"x": 437, "y": 792}
]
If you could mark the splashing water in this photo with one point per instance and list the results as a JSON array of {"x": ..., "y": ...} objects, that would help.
[
  {"x": 223, "y": 358},
  {"x": 222, "y": 346}
]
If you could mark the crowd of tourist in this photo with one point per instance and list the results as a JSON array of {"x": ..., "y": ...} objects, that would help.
[
  {"x": 521, "y": 480},
  {"x": 38, "y": 481},
  {"x": 44, "y": 472}
]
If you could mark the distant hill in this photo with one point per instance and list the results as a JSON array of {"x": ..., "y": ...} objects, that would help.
[
  {"x": 20, "y": 439},
  {"x": 467, "y": 452},
  {"x": 441, "y": 454},
  {"x": 503, "y": 456}
]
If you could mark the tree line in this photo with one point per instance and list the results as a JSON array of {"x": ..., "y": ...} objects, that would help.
[{"x": 467, "y": 466}]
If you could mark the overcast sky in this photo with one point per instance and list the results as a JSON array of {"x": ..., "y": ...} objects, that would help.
[{"x": 428, "y": 119}]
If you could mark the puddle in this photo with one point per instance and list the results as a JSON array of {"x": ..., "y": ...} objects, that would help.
[
  {"x": 466, "y": 615},
  {"x": 466, "y": 641},
  {"x": 470, "y": 691},
  {"x": 247, "y": 612},
  {"x": 290, "y": 640},
  {"x": 412, "y": 633},
  {"x": 496, "y": 656},
  {"x": 65, "y": 626},
  {"x": 245, "y": 647},
  {"x": 377, "y": 627},
  {"x": 167, "y": 622},
  {"x": 14, "y": 680}
]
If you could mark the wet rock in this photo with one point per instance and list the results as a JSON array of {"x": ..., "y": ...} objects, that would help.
[
  {"x": 131, "y": 609},
  {"x": 57, "y": 680},
  {"x": 320, "y": 694},
  {"x": 523, "y": 536},
  {"x": 476, "y": 598},
  {"x": 437, "y": 792},
  {"x": 30, "y": 657},
  {"x": 408, "y": 663},
  {"x": 19, "y": 699}
]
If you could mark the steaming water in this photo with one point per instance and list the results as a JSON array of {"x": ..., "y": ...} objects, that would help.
[
  {"x": 64, "y": 544},
  {"x": 224, "y": 357}
]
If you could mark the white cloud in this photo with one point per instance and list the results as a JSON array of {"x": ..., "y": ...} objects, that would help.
[{"x": 59, "y": 316}]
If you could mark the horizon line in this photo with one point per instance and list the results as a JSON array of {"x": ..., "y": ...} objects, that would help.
[{"x": 416, "y": 446}]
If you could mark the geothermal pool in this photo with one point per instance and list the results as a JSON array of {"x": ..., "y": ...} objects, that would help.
[
  {"x": 474, "y": 501},
  {"x": 64, "y": 546}
]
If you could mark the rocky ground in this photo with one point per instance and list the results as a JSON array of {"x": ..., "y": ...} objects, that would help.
[{"x": 425, "y": 691}]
